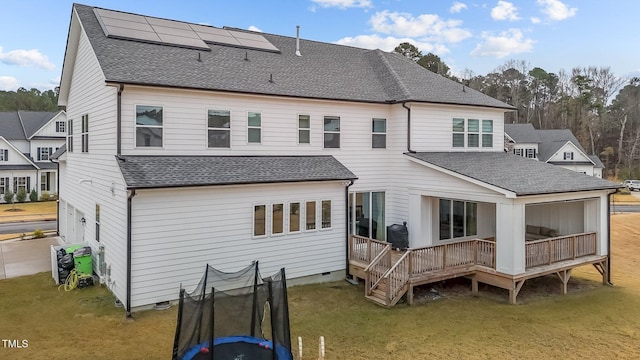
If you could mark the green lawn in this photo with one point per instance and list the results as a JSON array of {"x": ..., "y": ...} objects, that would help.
[{"x": 593, "y": 321}]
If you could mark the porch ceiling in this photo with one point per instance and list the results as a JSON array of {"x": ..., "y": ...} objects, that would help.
[{"x": 512, "y": 173}]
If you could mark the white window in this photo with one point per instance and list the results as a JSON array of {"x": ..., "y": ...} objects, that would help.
[
  {"x": 254, "y": 127},
  {"x": 21, "y": 183},
  {"x": 44, "y": 153},
  {"x": 531, "y": 153},
  {"x": 331, "y": 132},
  {"x": 304, "y": 129},
  {"x": 326, "y": 214},
  {"x": 379, "y": 133},
  {"x": 60, "y": 125},
  {"x": 219, "y": 128},
  {"x": 4, "y": 155},
  {"x": 70, "y": 136},
  {"x": 476, "y": 133},
  {"x": 259, "y": 220},
  {"x": 519, "y": 152},
  {"x": 149, "y": 123},
  {"x": 294, "y": 217},
  {"x": 277, "y": 219},
  {"x": 4, "y": 185},
  {"x": 458, "y": 219},
  {"x": 458, "y": 132},
  {"x": 568, "y": 155},
  {"x": 310, "y": 215},
  {"x": 45, "y": 181},
  {"x": 487, "y": 133}
]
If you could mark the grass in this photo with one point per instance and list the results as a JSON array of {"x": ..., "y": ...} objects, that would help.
[
  {"x": 592, "y": 321},
  {"x": 28, "y": 211}
]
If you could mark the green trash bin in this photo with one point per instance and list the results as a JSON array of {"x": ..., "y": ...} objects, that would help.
[{"x": 82, "y": 260}]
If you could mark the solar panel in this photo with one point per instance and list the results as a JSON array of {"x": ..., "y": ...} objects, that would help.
[{"x": 117, "y": 24}]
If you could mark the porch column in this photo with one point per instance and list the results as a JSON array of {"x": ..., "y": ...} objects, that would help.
[{"x": 510, "y": 229}]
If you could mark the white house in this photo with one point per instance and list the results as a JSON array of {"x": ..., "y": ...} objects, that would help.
[
  {"x": 191, "y": 145},
  {"x": 27, "y": 140},
  {"x": 558, "y": 147}
]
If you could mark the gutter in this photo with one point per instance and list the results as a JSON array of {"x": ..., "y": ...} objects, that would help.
[
  {"x": 132, "y": 193},
  {"x": 348, "y": 277},
  {"x": 404, "y": 105},
  {"x": 119, "y": 121}
]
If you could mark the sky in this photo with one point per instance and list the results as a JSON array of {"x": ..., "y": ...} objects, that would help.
[{"x": 476, "y": 36}]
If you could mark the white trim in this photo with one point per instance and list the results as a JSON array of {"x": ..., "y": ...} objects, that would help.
[
  {"x": 330, "y": 215},
  {"x": 304, "y": 222},
  {"x": 576, "y": 149},
  {"x": 299, "y": 202},
  {"x": 19, "y": 152},
  {"x": 373, "y": 133},
  {"x": 306, "y": 129},
  {"x": 507, "y": 193},
  {"x": 254, "y": 127},
  {"x": 339, "y": 132},
  {"x": 253, "y": 221},
  {"x": 207, "y": 128},
  {"x": 284, "y": 223}
]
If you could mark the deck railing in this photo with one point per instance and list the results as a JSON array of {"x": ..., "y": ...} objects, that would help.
[
  {"x": 453, "y": 255},
  {"x": 561, "y": 248},
  {"x": 365, "y": 249},
  {"x": 377, "y": 269},
  {"x": 397, "y": 276}
]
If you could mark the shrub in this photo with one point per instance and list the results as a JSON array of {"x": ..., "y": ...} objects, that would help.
[
  {"x": 21, "y": 195},
  {"x": 8, "y": 197},
  {"x": 45, "y": 196},
  {"x": 38, "y": 234},
  {"x": 33, "y": 196},
  {"x": 625, "y": 191}
]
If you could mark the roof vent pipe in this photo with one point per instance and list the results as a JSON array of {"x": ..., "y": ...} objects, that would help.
[{"x": 298, "y": 40}]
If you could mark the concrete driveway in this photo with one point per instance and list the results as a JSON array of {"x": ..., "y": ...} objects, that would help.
[{"x": 25, "y": 257}]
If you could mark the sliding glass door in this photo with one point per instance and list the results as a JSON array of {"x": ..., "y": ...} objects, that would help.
[{"x": 366, "y": 214}]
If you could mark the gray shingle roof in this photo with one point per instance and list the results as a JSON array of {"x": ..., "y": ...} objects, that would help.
[
  {"x": 17, "y": 167},
  {"x": 324, "y": 71},
  {"x": 182, "y": 171},
  {"x": 596, "y": 161},
  {"x": 522, "y": 133},
  {"x": 20, "y": 125},
  {"x": 514, "y": 173},
  {"x": 61, "y": 150},
  {"x": 553, "y": 140}
]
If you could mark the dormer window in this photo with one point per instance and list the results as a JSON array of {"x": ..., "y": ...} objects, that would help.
[
  {"x": 60, "y": 126},
  {"x": 568, "y": 155}
]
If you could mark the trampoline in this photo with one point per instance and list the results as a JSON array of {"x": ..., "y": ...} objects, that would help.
[
  {"x": 223, "y": 318},
  {"x": 238, "y": 347}
]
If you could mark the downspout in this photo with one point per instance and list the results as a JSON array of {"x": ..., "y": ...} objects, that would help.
[
  {"x": 350, "y": 279},
  {"x": 119, "y": 121},
  {"x": 132, "y": 193},
  {"x": 404, "y": 105},
  {"x": 608, "y": 279}
]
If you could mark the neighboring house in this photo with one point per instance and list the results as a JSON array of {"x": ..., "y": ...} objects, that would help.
[
  {"x": 557, "y": 147},
  {"x": 192, "y": 145},
  {"x": 27, "y": 140}
]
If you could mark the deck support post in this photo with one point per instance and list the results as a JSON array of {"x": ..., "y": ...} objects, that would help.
[
  {"x": 410, "y": 295},
  {"x": 564, "y": 276},
  {"x": 603, "y": 269},
  {"x": 513, "y": 293},
  {"x": 474, "y": 285}
]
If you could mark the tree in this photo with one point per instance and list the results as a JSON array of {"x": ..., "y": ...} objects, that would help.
[
  {"x": 408, "y": 50},
  {"x": 433, "y": 63}
]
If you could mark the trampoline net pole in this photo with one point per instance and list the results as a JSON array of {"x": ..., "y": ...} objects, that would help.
[
  {"x": 211, "y": 327},
  {"x": 174, "y": 355},
  {"x": 254, "y": 308},
  {"x": 285, "y": 310},
  {"x": 272, "y": 315}
]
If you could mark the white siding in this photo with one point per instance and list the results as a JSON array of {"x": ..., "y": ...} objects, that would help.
[
  {"x": 21, "y": 145},
  {"x": 15, "y": 156},
  {"x": 177, "y": 232},
  {"x": 49, "y": 129},
  {"x": 569, "y": 147},
  {"x": 565, "y": 218},
  {"x": 35, "y": 144},
  {"x": 101, "y": 182}
]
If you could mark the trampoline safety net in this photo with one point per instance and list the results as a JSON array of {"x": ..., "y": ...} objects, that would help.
[{"x": 232, "y": 316}]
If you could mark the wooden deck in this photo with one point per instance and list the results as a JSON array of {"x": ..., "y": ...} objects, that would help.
[{"x": 390, "y": 274}]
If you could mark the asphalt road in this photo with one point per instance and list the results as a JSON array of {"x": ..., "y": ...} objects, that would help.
[
  {"x": 625, "y": 208},
  {"x": 26, "y": 227}
]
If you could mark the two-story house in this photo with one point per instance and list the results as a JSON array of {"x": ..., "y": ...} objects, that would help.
[
  {"x": 27, "y": 140},
  {"x": 191, "y": 145},
  {"x": 557, "y": 147}
]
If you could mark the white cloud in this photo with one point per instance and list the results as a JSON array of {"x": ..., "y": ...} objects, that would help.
[
  {"x": 389, "y": 43},
  {"x": 26, "y": 58},
  {"x": 254, "y": 28},
  {"x": 505, "y": 44},
  {"x": 8, "y": 83},
  {"x": 343, "y": 4},
  {"x": 428, "y": 26},
  {"x": 505, "y": 11},
  {"x": 457, "y": 7},
  {"x": 556, "y": 9},
  {"x": 535, "y": 20}
]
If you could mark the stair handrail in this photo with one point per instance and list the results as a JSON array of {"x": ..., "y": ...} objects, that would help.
[
  {"x": 387, "y": 275},
  {"x": 378, "y": 257}
]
